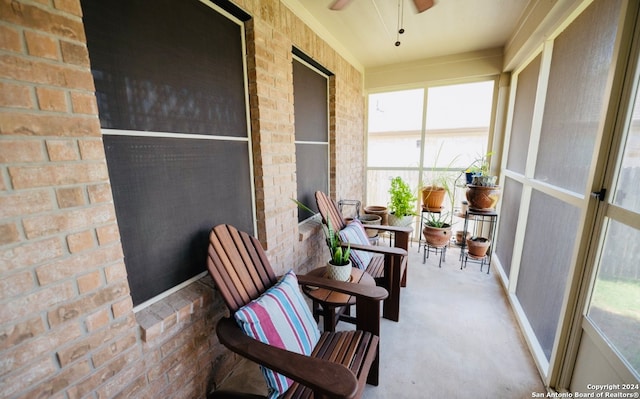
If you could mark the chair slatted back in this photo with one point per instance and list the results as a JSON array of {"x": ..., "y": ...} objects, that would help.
[
  {"x": 329, "y": 211},
  {"x": 238, "y": 265}
]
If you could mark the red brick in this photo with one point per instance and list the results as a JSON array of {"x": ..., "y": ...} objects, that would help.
[
  {"x": 37, "y": 71},
  {"x": 72, "y": 310},
  {"x": 74, "y": 53},
  {"x": 108, "y": 234},
  {"x": 27, "y": 377},
  {"x": 89, "y": 282},
  {"x": 115, "y": 272},
  {"x": 16, "y": 284},
  {"x": 52, "y": 99},
  {"x": 9, "y": 233},
  {"x": 13, "y": 335},
  {"x": 99, "y": 193},
  {"x": 40, "y": 45},
  {"x": 62, "y": 150},
  {"x": 70, "y": 6},
  {"x": 78, "y": 348},
  {"x": 10, "y": 39},
  {"x": 122, "y": 307},
  {"x": 97, "y": 319},
  {"x": 29, "y": 254},
  {"x": 36, "y": 302},
  {"x": 84, "y": 103},
  {"x": 113, "y": 349},
  {"x": 79, "y": 242},
  {"x": 62, "y": 380},
  {"x": 20, "y": 203},
  {"x": 17, "y": 151},
  {"x": 38, "y": 18},
  {"x": 15, "y": 96},
  {"x": 34, "y": 124},
  {"x": 70, "y": 197},
  {"x": 57, "y": 174},
  {"x": 77, "y": 264}
]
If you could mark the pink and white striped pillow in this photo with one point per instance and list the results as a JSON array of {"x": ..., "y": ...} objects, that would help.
[{"x": 280, "y": 317}]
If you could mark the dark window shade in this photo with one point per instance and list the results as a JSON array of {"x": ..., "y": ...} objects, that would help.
[
  {"x": 168, "y": 194},
  {"x": 166, "y": 66},
  {"x": 310, "y": 99},
  {"x": 177, "y": 67}
]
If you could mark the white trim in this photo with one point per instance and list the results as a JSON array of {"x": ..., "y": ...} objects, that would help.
[
  {"x": 168, "y": 292},
  {"x": 138, "y": 133}
]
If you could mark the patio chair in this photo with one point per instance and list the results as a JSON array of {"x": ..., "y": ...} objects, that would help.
[
  {"x": 387, "y": 265},
  {"x": 297, "y": 360}
]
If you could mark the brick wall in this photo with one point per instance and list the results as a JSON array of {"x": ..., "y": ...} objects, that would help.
[{"x": 67, "y": 326}]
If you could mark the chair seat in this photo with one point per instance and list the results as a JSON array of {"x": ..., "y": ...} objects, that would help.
[
  {"x": 355, "y": 350},
  {"x": 376, "y": 267}
]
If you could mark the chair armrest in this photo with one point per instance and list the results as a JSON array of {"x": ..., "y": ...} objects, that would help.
[
  {"x": 394, "y": 251},
  {"x": 369, "y": 292},
  {"x": 386, "y": 227},
  {"x": 322, "y": 376}
]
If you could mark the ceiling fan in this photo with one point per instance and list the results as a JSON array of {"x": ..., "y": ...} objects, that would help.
[{"x": 421, "y": 5}]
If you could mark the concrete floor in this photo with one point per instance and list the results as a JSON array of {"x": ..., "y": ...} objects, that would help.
[{"x": 456, "y": 338}]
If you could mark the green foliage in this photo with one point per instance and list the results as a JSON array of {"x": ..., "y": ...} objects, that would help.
[
  {"x": 403, "y": 200},
  {"x": 339, "y": 255},
  {"x": 480, "y": 165},
  {"x": 438, "y": 220}
]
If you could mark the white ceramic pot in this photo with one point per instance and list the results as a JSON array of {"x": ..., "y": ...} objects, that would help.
[{"x": 339, "y": 273}]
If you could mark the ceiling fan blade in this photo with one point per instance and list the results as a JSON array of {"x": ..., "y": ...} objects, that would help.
[
  {"x": 423, "y": 5},
  {"x": 339, "y": 4}
]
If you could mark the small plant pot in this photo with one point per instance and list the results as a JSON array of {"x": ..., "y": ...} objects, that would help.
[
  {"x": 433, "y": 197},
  {"x": 459, "y": 237},
  {"x": 482, "y": 198},
  {"x": 478, "y": 246},
  {"x": 378, "y": 210},
  {"x": 437, "y": 236},
  {"x": 370, "y": 220},
  {"x": 404, "y": 221},
  {"x": 339, "y": 273}
]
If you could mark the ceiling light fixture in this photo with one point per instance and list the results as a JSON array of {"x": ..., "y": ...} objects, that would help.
[{"x": 400, "y": 21}]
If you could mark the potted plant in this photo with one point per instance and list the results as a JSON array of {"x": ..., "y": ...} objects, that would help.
[
  {"x": 478, "y": 246},
  {"x": 483, "y": 193},
  {"x": 439, "y": 186},
  {"x": 401, "y": 204},
  {"x": 437, "y": 229},
  {"x": 339, "y": 265}
]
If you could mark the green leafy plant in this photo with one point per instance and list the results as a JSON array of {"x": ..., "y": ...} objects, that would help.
[
  {"x": 339, "y": 255},
  {"x": 403, "y": 200},
  {"x": 438, "y": 220},
  {"x": 480, "y": 165}
]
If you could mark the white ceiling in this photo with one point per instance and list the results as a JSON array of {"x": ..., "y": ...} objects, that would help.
[{"x": 366, "y": 29}]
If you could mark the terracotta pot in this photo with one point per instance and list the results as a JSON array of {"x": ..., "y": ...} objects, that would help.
[
  {"x": 478, "y": 246},
  {"x": 433, "y": 197},
  {"x": 370, "y": 219},
  {"x": 437, "y": 236},
  {"x": 378, "y": 210},
  {"x": 459, "y": 237},
  {"x": 482, "y": 198}
]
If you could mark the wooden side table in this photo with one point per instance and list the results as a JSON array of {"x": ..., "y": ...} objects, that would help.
[{"x": 334, "y": 306}]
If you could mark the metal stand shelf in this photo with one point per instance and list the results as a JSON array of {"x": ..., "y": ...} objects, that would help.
[{"x": 481, "y": 221}]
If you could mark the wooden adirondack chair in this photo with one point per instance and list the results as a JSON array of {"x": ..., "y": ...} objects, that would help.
[
  {"x": 389, "y": 267},
  {"x": 341, "y": 362}
]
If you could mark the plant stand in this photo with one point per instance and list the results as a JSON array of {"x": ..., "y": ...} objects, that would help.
[
  {"x": 442, "y": 251},
  {"x": 481, "y": 221}
]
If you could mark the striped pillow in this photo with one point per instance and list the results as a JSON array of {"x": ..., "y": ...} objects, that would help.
[
  {"x": 354, "y": 233},
  {"x": 280, "y": 317}
]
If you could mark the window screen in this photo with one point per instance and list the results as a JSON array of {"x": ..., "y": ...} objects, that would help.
[
  {"x": 173, "y": 70},
  {"x": 310, "y": 96}
]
